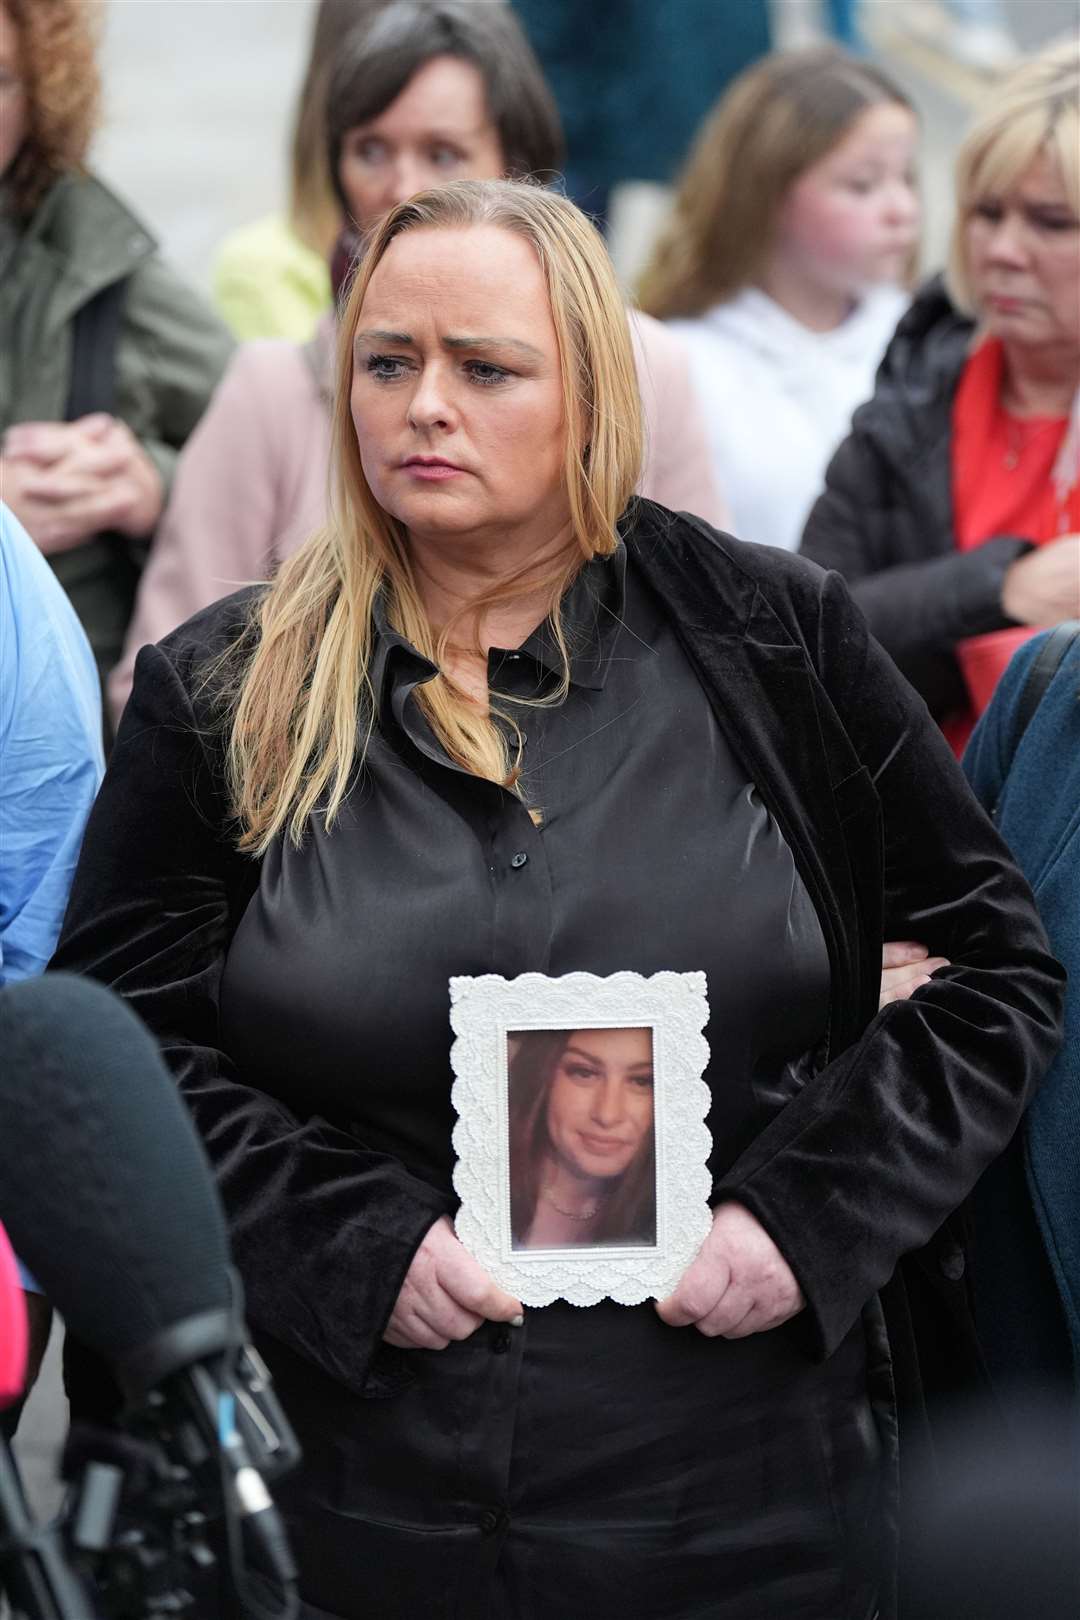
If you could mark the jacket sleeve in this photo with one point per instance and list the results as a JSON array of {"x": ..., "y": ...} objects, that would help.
[
  {"x": 678, "y": 471},
  {"x": 986, "y": 762},
  {"x": 322, "y": 1230},
  {"x": 173, "y": 350},
  {"x": 918, "y": 610},
  {"x": 223, "y": 515},
  {"x": 864, "y": 1165}
]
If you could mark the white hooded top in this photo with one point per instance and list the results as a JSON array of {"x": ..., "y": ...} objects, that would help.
[{"x": 778, "y": 399}]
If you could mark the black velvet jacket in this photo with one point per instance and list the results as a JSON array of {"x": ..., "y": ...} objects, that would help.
[
  {"x": 885, "y": 518},
  {"x": 862, "y": 1169}
]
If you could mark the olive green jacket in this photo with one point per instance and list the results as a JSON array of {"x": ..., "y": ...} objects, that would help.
[{"x": 170, "y": 352}]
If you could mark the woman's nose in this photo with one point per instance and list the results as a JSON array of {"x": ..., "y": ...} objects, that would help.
[
  {"x": 1007, "y": 244},
  {"x": 430, "y": 405},
  {"x": 903, "y": 204},
  {"x": 404, "y": 180},
  {"x": 608, "y": 1101}
]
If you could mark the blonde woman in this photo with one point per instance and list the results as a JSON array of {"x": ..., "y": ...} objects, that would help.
[
  {"x": 783, "y": 268},
  {"x": 501, "y": 716},
  {"x": 953, "y": 510}
]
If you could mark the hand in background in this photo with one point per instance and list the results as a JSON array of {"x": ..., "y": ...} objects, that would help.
[
  {"x": 446, "y": 1295},
  {"x": 66, "y": 481},
  {"x": 738, "y": 1284},
  {"x": 1043, "y": 586},
  {"x": 905, "y": 965}
]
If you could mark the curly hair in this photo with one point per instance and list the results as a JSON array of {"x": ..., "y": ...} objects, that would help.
[{"x": 58, "y": 66}]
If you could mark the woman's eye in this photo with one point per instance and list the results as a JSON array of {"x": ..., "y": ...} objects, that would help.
[
  {"x": 368, "y": 149},
  {"x": 580, "y": 1072},
  {"x": 862, "y": 185},
  {"x": 384, "y": 367},
  {"x": 990, "y": 211},
  {"x": 482, "y": 371},
  {"x": 644, "y": 1082},
  {"x": 1054, "y": 222},
  {"x": 446, "y": 157}
]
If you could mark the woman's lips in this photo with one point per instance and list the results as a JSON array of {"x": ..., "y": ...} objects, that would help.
[
  {"x": 604, "y": 1147},
  {"x": 433, "y": 471}
]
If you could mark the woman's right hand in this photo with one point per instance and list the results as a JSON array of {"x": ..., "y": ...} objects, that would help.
[
  {"x": 446, "y": 1295},
  {"x": 1043, "y": 586}
]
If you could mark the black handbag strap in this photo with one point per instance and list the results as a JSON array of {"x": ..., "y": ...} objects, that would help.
[
  {"x": 1047, "y": 663},
  {"x": 93, "y": 355}
]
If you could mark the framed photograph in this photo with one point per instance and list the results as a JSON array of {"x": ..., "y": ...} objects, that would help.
[{"x": 582, "y": 1148}]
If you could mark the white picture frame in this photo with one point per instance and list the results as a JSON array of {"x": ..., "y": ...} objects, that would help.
[{"x": 525, "y": 1051}]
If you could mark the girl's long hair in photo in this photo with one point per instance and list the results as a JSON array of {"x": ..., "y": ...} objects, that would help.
[
  {"x": 628, "y": 1214},
  {"x": 295, "y": 689},
  {"x": 777, "y": 119}
]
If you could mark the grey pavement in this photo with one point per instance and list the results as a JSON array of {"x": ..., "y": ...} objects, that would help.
[{"x": 198, "y": 98}]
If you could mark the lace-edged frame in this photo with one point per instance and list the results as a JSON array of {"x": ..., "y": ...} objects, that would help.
[{"x": 486, "y": 1014}]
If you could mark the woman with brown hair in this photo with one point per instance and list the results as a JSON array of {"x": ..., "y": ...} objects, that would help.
[
  {"x": 582, "y": 1138},
  {"x": 271, "y": 277},
  {"x": 107, "y": 359},
  {"x": 502, "y": 716},
  {"x": 783, "y": 268}
]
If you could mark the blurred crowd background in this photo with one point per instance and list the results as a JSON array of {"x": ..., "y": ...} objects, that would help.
[{"x": 199, "y": 95}]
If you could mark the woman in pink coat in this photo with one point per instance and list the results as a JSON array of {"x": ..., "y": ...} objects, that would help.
[{"x": 424, "y": 92}]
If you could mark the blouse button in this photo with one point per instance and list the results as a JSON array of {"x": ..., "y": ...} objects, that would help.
[
  {"x": 517, "y": 861},
  {"x": 490, "y": 1521},
  {"x": 951, "y": 1261}
]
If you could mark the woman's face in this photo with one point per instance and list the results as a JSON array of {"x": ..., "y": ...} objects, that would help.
[
  {"x": 457, "y": 395},
  {"x": 14, "y": 118},
  {"x": 851, "y": 221},
  {"x": 600, "y": 1106},
  {"x": 437, "y": 129},
  {"x": 1023, "y": 258}
]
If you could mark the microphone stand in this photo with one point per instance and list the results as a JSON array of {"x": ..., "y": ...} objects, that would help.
[{"x": 34, "y": 1570}]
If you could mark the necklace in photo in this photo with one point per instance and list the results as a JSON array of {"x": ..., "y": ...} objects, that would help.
[{"x": 589, "y": 1213}]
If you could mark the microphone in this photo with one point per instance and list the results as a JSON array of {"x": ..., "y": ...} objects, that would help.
[
  {"x": 12, "y": 1328},
  {"x": 107, "y": 1196}
]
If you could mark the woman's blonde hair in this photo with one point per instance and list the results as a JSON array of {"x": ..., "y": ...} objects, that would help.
[
  {"x": 302, "y": 702},
  {"x": 777, "y": 120},
  {"x": 1035, "y": 110}
]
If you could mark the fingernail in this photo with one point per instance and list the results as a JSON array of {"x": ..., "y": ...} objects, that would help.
[{"x": 517, "y": 1321}]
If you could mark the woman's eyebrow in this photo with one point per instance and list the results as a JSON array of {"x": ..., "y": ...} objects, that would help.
[
  {"x": 582, "y": 1053},
  {"x": 493, "y": 343},
  {"x": 377, "y": 335}
]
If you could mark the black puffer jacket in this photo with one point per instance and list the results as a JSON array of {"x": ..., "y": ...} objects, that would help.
[{"x": 885, "y": 520}]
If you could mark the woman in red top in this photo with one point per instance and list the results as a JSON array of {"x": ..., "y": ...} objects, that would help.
[{"x": 953, "y": 509}]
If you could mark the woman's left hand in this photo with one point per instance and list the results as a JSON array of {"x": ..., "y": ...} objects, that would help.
[
  {"x": 905, "y": 965},
  {"x": 738, "y": 1284}
]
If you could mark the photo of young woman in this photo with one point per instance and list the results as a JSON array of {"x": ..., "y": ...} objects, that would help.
[{"x": 582, "y": 1138}]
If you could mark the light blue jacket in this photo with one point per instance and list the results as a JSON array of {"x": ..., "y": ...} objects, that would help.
[
  {"x": 1038, "y": 814},
  {"x": 50, "y": 752}
]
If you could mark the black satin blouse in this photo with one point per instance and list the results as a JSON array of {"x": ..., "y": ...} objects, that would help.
[
  {"x": 598, "y": 1447},
  {"x": 655, "y": 853}
]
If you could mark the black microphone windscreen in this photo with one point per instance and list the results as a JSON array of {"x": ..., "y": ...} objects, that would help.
[{"x": 105, "y": 1190}]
